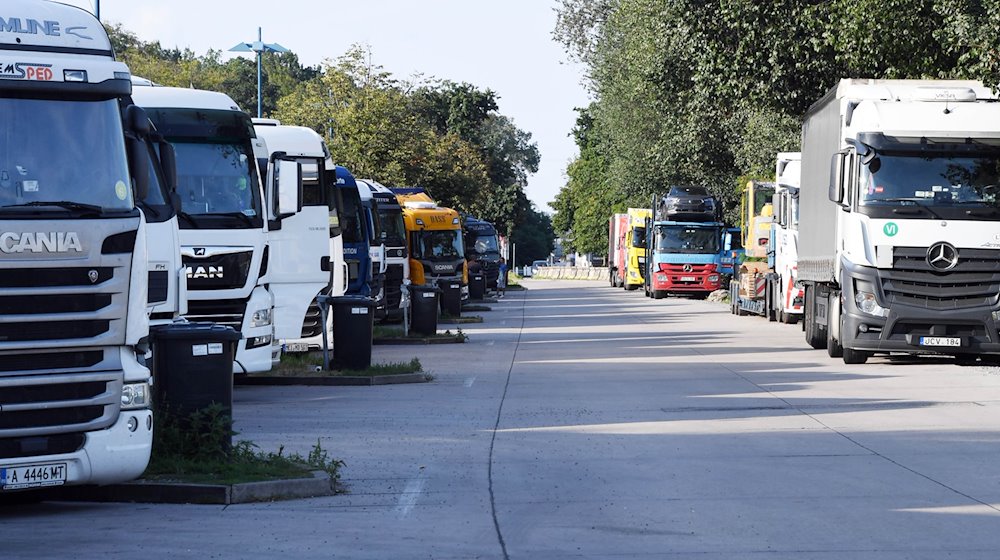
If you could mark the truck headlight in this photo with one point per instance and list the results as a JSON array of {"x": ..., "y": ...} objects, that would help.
[
  {"x": 713, "y": 278},
  {"x": 260, "y": 318},
  {"x": 868, "y": 304},
  {"x": 135, "y": 396}
]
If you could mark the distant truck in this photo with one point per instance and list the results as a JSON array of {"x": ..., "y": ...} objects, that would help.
[
  {"x": 635, "y": 248},
  {"x": 482, "y": 249},
  {"x": 683, "y": 257},
  {"x": 617, "y": 251},
  {"x": 899, "y": 244},
  {"x": 766, "y": 285},
  {"x": 397, "y": 269},
  {"x": 436, "y": 242}
]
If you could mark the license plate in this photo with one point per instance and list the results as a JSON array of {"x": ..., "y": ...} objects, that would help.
[
  {"x": 688, "y": 279},
  {"x": 293, "y": 347},
  {"x": 32, "y": 476},
  {"x": 940, "y": 341}
]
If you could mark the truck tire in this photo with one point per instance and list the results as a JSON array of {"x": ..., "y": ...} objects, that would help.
[
  {"x": 852, "y": 356},
  {"x": 659, "y": 294},
  {"x": 769, "y": 308},
  {"x": 630, "y": 287},
  {"x": 814, "y": 335},
  {"x": 833, "y": 347}
]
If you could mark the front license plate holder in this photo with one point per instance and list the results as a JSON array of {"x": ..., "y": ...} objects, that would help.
[
  {"x": 939, "y": 341},
  {"x": 33, "y": 476},
  {"x": 688, "y": 279}
]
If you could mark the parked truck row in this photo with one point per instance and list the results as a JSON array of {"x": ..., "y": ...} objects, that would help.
[
  {"x": 127, "y": 207},
  {"x": 881, "y": 236}
]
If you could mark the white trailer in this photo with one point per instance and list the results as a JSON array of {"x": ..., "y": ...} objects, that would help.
[
  {"x": 785, "y": 289},
  {"x": 899, "y": 244},
  {"x": 73, "y": 275}
]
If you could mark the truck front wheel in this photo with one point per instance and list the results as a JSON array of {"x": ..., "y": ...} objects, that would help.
[
  {"x": 852, "y": 356},
  {"x": 659, "y": 294},
  {"x": 815, "y": 336}
]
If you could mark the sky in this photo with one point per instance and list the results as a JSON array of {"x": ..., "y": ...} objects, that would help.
[{"x": 503, "y": 45}]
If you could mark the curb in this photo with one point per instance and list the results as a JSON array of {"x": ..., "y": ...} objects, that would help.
[
  {"x": 476, "y": 307},
  {"x": 384, "y": 341},
  {"x": 211, "y": 494},
  {"x": 472, "y": 320},
  {"x": 334, "y": 381}
]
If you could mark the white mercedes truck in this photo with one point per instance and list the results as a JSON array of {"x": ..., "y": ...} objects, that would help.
[
  {"x": 74, "y": 389},
  {"x": 307, "y": 247},
  {"x": 224, "y": 213},
  {"x": 899, "y": 237},
  {"x": 783, "y": 249}
]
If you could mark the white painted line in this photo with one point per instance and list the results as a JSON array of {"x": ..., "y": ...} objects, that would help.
[
  {"x": 410, "y": 496},
  {"x": 491, "y": 343},
  {"x": 470, "y": 381}
]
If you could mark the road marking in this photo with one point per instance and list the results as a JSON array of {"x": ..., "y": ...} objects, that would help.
[
  {"x": 470, "y": 381},
  {"x": 410, "y": 496},
  {"x": 491, "y": 343}
]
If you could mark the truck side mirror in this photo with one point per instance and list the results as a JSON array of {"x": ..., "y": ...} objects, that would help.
[
  {"x": 137, "y": 120},
  {"x": 838, "y": 168},
  {"x": 168, "y": 164},
  {"x": 138, "y": 163},
  {"x": 286, "y": 176}
]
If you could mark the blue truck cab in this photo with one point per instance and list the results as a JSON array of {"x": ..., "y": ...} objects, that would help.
[
  {"x": 684, "y": 258},
  {"x": 358, "y": 227}
]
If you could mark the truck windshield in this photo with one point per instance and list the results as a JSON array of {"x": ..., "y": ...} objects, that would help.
[
  {"x": 392, "y": 227},
  {"x": 353, "y": 216},
  {"x": 687, "y": 240},
  {"x": 762, "y": 195},
  {"x": 438, "y": 244},
  {"x": 931, "y": 180},
  {"x": 63, "y": 151},
  {"x": 217, "y": 179},
  {"x": 486, "y": 244}
]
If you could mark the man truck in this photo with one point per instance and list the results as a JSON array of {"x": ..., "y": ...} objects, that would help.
[
  {"x": 225, "y": 214},
  {"x": 899, "y": 248},
  {"x": 397, "y": 265},
  {"x": 74, "y": 387}
]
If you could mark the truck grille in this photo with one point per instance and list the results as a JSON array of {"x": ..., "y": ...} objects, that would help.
[
  {"x": 14, "y": 448},
  {"x": 50, "y": 361},
  {"x": 218, "y": 272},
  {"x": 393, "y": 286},
  {"x": 227, "y": 312},
  {"x": 52, "y": 330},
  {"x": 39, "y": 305},
  {"x": 54, "y": 277},
  {"x": 159, "y": 284},
  {"x": 42, "y": 405},
  {"x": 974, "y": 282}
]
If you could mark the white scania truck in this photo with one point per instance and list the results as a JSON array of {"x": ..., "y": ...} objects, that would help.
[
  {"x": 73, "y": 277},
  {"x": 899, "y": 242},
  {"x": 225, "y": 213},
  {"x": 315, "y": 261}
]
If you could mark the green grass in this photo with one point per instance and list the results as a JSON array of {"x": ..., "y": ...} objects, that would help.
[
  {"x": 295, "y": 365},
  {"x": 195, "y": 450},
  {"x": 461, "y": 320},
  {"x": 396, "y": 331}
]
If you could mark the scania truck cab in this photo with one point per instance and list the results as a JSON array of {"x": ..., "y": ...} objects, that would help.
[
  {"x": 305, "y": 248},
  {"x": 224, "y": 214},
  {"x": 899, "y": 247},
  {"x": 397, "y": 269},
  {"x": 482, "y": 249},
  {"x": 437, "y": 247},
  {"x": 73, "y": 278}
]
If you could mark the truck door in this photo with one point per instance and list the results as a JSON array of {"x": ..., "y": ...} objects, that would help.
[{"x": 299, "y": 247}]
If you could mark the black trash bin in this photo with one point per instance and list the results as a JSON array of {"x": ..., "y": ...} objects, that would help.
[
  {"x": 451, "y": 297},
  {"x": 193, "y": 368},
  {"x": 424, "y": 309},
  {"x": 477, "y": 286},
  {"x": 353, "y": 321}
]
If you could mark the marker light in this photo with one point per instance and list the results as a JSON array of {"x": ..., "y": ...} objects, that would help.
[{"x": 75, "y": 75}]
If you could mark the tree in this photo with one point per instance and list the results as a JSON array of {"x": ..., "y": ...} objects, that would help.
[{"x": 533, "y": 237}]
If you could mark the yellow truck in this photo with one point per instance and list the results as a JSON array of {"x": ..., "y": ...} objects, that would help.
[
  {"x": 434, "y": 237},
  {"x": 635, "y": 243}
]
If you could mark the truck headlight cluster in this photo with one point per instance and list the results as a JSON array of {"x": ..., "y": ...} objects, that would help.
[
  {"x": 868, "y": 304},
  {"x": 713, "y": 278},
  {"x": 260, "y": 318},
  {"x": 135, "y": 396}
]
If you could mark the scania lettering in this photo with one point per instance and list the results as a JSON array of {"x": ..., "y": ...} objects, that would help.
[
  {"x": 74, "y": 389},
  {"x": 900, "y": 209},
  {"x": 224, "y": 212}
]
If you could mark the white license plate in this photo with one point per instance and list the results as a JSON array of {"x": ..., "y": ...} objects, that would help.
[
  {"x": 688, "y": 279},
  {"x": 32, "y": 476},
  {"x": 294, "y": 347},
  {"x": 940, "y": 341}
]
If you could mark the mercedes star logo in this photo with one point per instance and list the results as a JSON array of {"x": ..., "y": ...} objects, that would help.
[
  {"x": 942, "y": 256},
  {"x": 688, "y": 268}
]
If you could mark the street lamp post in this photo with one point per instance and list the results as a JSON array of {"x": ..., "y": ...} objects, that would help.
[
  {"x": 97, "y": 9},
  {"x": 259, "y": 47}
]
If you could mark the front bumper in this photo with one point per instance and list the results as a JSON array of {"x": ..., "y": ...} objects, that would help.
[
  {"x": 903, "y": 326},
  {"x": 693, "y": 282}
]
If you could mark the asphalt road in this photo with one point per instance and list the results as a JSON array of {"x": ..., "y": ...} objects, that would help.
[{"x": 586, "y": 422}]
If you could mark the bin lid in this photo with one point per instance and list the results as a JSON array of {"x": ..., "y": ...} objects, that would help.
[
  {"x": 423, "y": 288},
  {"x": 362, "y": 301},
  {"x": 209, "y": 332}
]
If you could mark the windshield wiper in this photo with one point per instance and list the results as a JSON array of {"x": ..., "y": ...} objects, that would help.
[
  {"x": 246, "y": 219},
  {"x": 909, "y": 209},
  {"x": 189, "y": 218},
  {"x": 89, "y": 209}
]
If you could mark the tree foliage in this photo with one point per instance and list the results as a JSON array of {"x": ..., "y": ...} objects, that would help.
[{"x": 705, "y": 91}]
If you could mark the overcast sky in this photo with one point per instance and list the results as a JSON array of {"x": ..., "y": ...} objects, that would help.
[{"x": 503, "y": 45}]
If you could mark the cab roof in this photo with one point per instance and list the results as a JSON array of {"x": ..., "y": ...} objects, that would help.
[{"x": 53, "y": 27}]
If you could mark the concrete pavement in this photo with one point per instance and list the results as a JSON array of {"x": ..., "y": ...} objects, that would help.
[{"x": 625, "y": 428}]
